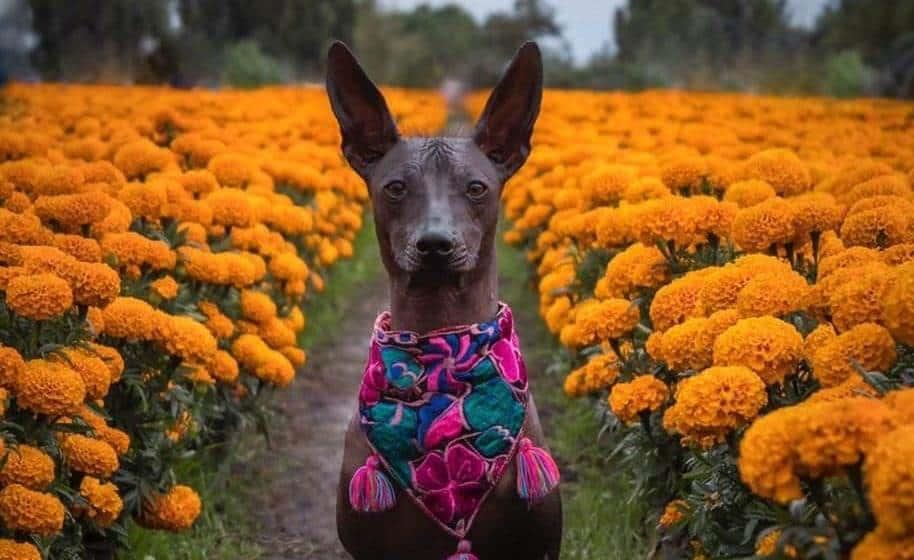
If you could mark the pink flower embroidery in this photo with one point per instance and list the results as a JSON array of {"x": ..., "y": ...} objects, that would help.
[
  {"x": 374, "y": 382},
  {"x": 454, "y": 482}
]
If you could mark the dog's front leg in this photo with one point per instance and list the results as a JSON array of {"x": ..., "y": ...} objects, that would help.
[{"x": 356, "y": 530}]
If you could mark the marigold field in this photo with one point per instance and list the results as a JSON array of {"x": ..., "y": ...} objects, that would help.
[
  {"x": 733, "y": 276},
  {"x": 156, "y": 246}
]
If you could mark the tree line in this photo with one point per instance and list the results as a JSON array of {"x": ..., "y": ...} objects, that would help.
[{"x": 854, "y": 47}]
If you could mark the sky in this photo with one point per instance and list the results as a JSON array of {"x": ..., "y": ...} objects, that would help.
[{"x": 587, "y": 22}]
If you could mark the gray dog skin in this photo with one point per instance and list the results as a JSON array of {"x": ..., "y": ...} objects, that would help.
[{"x": 436, "y": 206}]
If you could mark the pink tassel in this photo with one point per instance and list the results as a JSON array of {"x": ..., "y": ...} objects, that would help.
[
  {"x": 370, "y": 491},
  {"x": 537, "y": 473},
  {"x": 463, "y": 552}
]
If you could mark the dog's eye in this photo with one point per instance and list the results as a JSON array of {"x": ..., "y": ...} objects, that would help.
[
  {"x": 395, "y": 190},
  {"x": 476, "y": 190}
]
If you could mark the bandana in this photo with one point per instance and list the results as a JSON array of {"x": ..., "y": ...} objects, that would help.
[{"x": 444, "y": 412}]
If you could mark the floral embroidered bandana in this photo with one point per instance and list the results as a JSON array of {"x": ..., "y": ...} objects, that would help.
[{"x": 444, "y": 412}]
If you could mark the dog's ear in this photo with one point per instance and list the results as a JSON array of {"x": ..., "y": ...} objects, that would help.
[
  {"x": 367, "y": 127},
  {"x": 506, "y": 125}
]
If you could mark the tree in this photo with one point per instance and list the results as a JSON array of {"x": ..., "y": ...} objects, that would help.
[
  {"x": 882, "y": 31},
  {"x": 95, "y": 40}
]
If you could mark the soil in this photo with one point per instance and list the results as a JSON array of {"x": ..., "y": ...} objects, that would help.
[{"x": 297, "y": 509}]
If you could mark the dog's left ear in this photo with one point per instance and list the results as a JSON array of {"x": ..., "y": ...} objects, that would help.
[
  {"x": 506, "y": 125},
  {"x": 366, "y": 125}
]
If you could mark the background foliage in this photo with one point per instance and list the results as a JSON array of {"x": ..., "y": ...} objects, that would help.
[{"x": 854, "y": 47}]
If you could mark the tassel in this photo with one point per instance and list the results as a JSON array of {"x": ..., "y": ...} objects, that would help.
[
  {"x": 537, "y": 473},
  {"x": 370, "y": 491},
  {"x": 463, "y": 552}
]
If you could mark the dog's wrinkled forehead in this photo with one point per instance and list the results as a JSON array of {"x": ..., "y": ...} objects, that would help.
[{"x": 434, "y": 157}]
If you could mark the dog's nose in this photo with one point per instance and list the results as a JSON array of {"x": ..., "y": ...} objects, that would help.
[{"x": 435, "y": 243}]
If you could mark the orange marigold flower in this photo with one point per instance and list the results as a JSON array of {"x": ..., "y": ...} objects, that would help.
[
  {"x": 175, "y": 510},
  {"x": 759, "y": 227},
  {"x": 104, "y": 502},
  {"x": 684, "y": 173},
  {"x": 295, "y": 319},
  {"x": 815, "y": 213},
  {"x": 29, "y": 511},
  {"x": 850, "y": 387},
  {"x": 265, "y": 363},
  {"x": 232, "y": 207},
  {"x": 867, "y": 345},
  {"x": 112, "y": 359},
  {"x": 898, "y": 305},
  {"x": 782, "y": 169},
  {"x": 675, "y": 302},
  {"x": 72, "y": 211},
  {"x": 606, "y": 320},
  {"x": 749, "y": 193},
  {"x": 39, "y": 296},
  {"x": 232, "y": 170},
  {"x": 132, "y": 318},
  {"x": 138, "y": 158},
  {"x": 715, "y": 402},
  {"x": 848, "y": 258},
  {"x": 822, "y": 334},
  {"x": 12, "y": 550},
  {"x": 830, "y": 436},
  {"x": 11, "y": 366},
  {"x": 133, "y": 249},
  {"x": 147, "y": 200},
  {"x": 889, "y": 471},
  {"x": 861, "y": 299},
  {"x": 217, "y": 323},
  {"x": 198, "y": 181},
  {"x": 28, "y": 466},
  {"x": 257, "y": 306},
  {"x": 83, "y": 249},
  {"x": 598, "y": 374},
  {"x": 88, "y": 455},
  {"x": 772, "y": 294},
  {"x": 673, "y": 513},
  {"x": 875, "y": 546},
  {"x": 165, "y": 287},
  {"x": 643, "y": 394},
  {"x": 664, "y": 219},
  {"x": 637, "y": 267},
  {"x": 722, "y": 287},
  {"x": 678, "y": 348},
  {"x": 288, "y": 267},
  {"x": 224, "y": 367},
  {"x": 878, "y": 228},
  {"x": 766, "y": 345},
  {"x": 883, "y": 185},
  {"x": 186, "y": 338},
  {"x": 23, "y": 228},
  {"x": 767, "y": 545},
  {"x": 295, "y": 355},
  {"x": 898, "y": 254},
  {"x": 93, "y": 370},
  {"x": 49, "y": 388}
]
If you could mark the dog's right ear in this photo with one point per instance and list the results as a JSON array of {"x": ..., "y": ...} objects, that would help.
[{"x": 366, "y": 125}]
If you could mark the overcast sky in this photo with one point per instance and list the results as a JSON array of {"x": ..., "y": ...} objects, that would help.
[{"x": 587, "y": 22}]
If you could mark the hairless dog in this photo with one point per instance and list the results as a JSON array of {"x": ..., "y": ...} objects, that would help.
[{"x": 490, "y": 485}]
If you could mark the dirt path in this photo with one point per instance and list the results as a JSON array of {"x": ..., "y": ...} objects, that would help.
[{"x": 297, "y": 509}]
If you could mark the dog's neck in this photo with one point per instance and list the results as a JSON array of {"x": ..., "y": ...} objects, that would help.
[{"x": 445, "y": 304}]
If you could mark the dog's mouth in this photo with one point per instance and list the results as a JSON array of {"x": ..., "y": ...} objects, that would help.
[
  {"x": 436, "y": 278},
  {"x": 431, "y": 272}
]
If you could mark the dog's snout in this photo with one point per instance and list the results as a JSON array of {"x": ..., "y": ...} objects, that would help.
[{"x": 435, "y": 243}]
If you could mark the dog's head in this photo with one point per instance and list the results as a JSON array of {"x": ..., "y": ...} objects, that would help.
[{"x": 435, "y": 199}]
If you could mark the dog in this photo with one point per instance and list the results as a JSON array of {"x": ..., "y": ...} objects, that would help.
[{"x": 436, "y": 204}]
